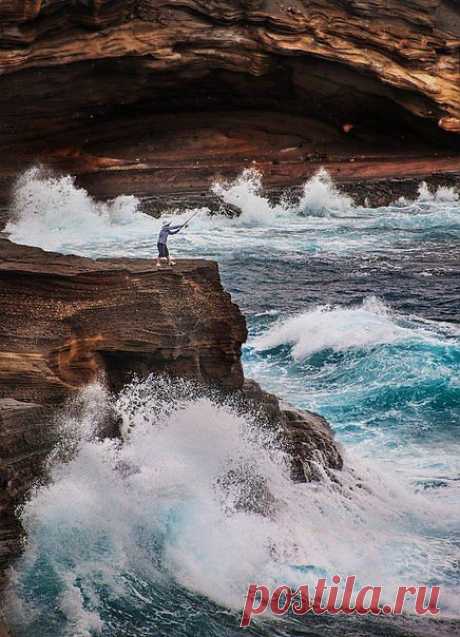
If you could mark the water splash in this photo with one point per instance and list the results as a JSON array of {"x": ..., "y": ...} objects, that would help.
[
  {"x": 386, "y": 381},
  {"x": 443, "y": 194},
  {"x": 49, "y": 210},
  {"x": 339, "y": 329},
  {"x": 321, "y": 197},
  {"x": 143, "y": 537},
  {"x": 123, "y": 529},
  {"x": 246, "y": 192}
]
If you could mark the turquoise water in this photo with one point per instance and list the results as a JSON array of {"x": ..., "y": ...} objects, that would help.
[{"x": 353, "y": 313}]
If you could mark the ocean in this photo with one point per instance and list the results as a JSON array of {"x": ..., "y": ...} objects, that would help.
[{"x": 353, "y": 313}]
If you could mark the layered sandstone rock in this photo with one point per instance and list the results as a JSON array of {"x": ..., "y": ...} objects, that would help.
[
  {"x": 412, "y": 47},
  {"x": 182, "y": 90},
  {"x": 66, "y": 321}
]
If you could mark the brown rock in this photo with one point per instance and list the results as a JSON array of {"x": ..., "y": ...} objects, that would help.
[
  {"x": 411, "y": 47},
  {"x": 66, "y": 321},
  {"x": 307, "y": 435},
  {"x": 162, "y": 95}
]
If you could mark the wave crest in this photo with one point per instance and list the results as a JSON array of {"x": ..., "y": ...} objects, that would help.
[
  {"x": 49, "y": 210},
  {"x": 338, "y": 328}
]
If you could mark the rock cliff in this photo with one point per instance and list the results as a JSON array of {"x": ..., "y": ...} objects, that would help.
[
  {"x": 66, "y": 320},
  {"x": 149, "y": 95}
]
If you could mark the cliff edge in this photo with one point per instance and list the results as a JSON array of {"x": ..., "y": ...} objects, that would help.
[{"x": 66, "y": 321}]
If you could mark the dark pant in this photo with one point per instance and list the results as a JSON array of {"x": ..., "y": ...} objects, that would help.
[{"x": 163, "y": 251}]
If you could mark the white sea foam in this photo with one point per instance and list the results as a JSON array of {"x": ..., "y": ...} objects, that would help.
[
  {"x": 200, "y": 496},
  {"x": 51, "y": 212},
  {"x": 321, "y": 197},
  {"x": 340, "y": 328},
  {"x": 246, "y": 192},
  {"x": 157, "y": 507},
  {"x": 443, "y": 194}
]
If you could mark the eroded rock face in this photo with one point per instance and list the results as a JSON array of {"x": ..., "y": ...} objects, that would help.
[
  {"x": 306, "y": 435},
  {"x": 412, "y": 47},
  {"x": 66, "y": 321},
  {"x": 187, "y": 89},
  {"x": 26, "y": 436}
]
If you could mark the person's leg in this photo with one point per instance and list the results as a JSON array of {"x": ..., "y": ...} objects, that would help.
[
  {"x": 160, "y": 254},
  {"x": 168, "y": 257}
]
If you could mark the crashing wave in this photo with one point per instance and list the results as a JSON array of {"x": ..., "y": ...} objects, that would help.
[
  {"x": 338, "y": 328},
  {"x": 124, "y": 529}
]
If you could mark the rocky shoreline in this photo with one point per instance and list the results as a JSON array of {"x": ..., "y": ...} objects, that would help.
[
  {"x": 164, "y": 102},
  {"x": 67, "y": 321},
  {"x": 159, "y": 99},
  {"x": 369, "y": 193}
]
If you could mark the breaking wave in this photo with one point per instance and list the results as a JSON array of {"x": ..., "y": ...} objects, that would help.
[
  {"x": 50, "y": 211},
  {"x": 197, "y": 502},
  {"x": 161, "y": 534},
  {"x": 339, "y": 329},
  {"x": 320, "y": 197}
]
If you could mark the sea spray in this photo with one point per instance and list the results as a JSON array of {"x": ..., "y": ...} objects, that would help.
[
  {"x": 342, "y": 328},
  {"x": 246, "y": 193},
  {"x": 125, "y": 530},
  {"x": 121, "y": 545},
  {"x": 322, "y": 197},
  {"x": 50, "y": 211},
  {"x": 387, "y": 381},
  {"x": 443, "y": 194}
]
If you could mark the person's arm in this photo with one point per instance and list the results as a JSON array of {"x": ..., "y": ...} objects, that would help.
[{"x": 175, "y": 229}]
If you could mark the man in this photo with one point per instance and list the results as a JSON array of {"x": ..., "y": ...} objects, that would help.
[{"x": 163, "y": 252}]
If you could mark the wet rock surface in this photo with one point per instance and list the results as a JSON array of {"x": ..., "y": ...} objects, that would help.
[{"x": 67, "y": 321}]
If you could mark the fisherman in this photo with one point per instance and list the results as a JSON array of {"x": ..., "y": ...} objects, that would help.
[
  {"x": 166, "y": 230},
  {"x": 163, "y": 252}
]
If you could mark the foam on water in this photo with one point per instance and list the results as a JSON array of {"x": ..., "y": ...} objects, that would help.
[
  {"x": 137, "y": 538},
  {"x": 51, "y": 212},
  {"x": 321, "y": 197},
  {"x": 247, "y": 193},
  {"x": 340, "y": 329},
  {"x": 443, "y": 194},
  {"x": 198, "y": 501},
  {"x": 388, "y": 383}
]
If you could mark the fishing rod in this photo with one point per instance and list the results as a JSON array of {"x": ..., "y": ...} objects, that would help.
[{"x": 192, "y": 217}]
